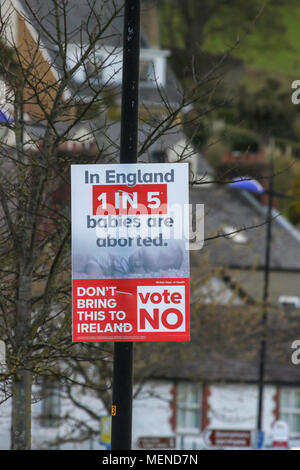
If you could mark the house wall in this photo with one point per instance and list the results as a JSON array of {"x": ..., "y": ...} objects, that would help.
[
  {"x": 234, "y": 406},
  {"x": 78, "y": 421},
  {"x": 20, "y": 34},
  {"x": 5, "y": 419},
  {"x": 224, "y": 406},
  {"x": 9, "y": 17},
  {"x": 153, "y": 411}
]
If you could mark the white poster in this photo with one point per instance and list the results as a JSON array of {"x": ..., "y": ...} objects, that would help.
[{"x": 130, "y": 257}]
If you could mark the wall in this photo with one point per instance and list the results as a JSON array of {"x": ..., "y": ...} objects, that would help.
[
  {"x": 234, "y": 407},
  {"x": 225, "y": 406},
  {"x": 152, "y": 411}
]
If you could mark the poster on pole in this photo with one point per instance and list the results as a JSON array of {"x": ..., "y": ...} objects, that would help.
[{"x": 130, "y": 252}]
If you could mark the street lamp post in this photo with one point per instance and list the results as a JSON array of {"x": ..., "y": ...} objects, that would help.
[
  {"x": 123, "y": 352},
  {"x": 253, "y": 186},
  {"x": 263, "y": 344}
]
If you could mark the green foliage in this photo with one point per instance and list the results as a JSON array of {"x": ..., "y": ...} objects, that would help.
[
  {"x": 254, "y": 28},
  {"x": 87, "y": 112},
  {"x": 199, "y": 134},
  {"x": 293, "y": 211},
  {"x": 215, "y": 149},
  {"x": 290, "y": 145},
  {"x": 269, "y": 110},
  {"x": 241, "y": 140},
  {"x": 279, "y": 52}
]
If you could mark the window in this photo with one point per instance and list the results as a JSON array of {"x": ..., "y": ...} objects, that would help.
[
  {"x": 189, "y": 398},
  {"x": 107, "y": 63},
  {"x": 153, "y": 66},
  {"x": 147, "y": 71},
  {"x": 290, "y": 410},
  {"x": 50, "y": 402}
]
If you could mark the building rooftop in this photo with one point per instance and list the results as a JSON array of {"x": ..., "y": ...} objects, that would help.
[
  {"x": 224, "y": 346},
  {"x": 228, "y": 210}
]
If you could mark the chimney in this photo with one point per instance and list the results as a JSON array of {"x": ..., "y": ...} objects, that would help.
[{"x": 150, "y": 22}]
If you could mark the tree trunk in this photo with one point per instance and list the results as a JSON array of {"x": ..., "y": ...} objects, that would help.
[
  {"x": 22, "y": 381},
  {"x": 21, "y": 411}
]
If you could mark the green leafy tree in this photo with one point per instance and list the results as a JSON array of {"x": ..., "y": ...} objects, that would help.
[
  {"x": 293, "y": 210},
  {"x": 267, "y": 111},
  {"x": 186, "y": 25}
]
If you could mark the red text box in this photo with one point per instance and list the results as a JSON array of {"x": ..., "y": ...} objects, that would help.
[
  {"x": 123, "y": 199},
  {"x": 130, "y": 310}
]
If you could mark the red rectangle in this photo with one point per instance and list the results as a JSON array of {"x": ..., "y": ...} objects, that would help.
[
  {"x": 114, "y": 310},
  {"x": 123, "y": 199}
]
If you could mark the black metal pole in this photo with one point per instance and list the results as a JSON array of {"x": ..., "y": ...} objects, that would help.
[
  {"x": 263, "y": 345},
  {"x": 122, "y": 397},
  {"x": 123, "y": 352}
]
